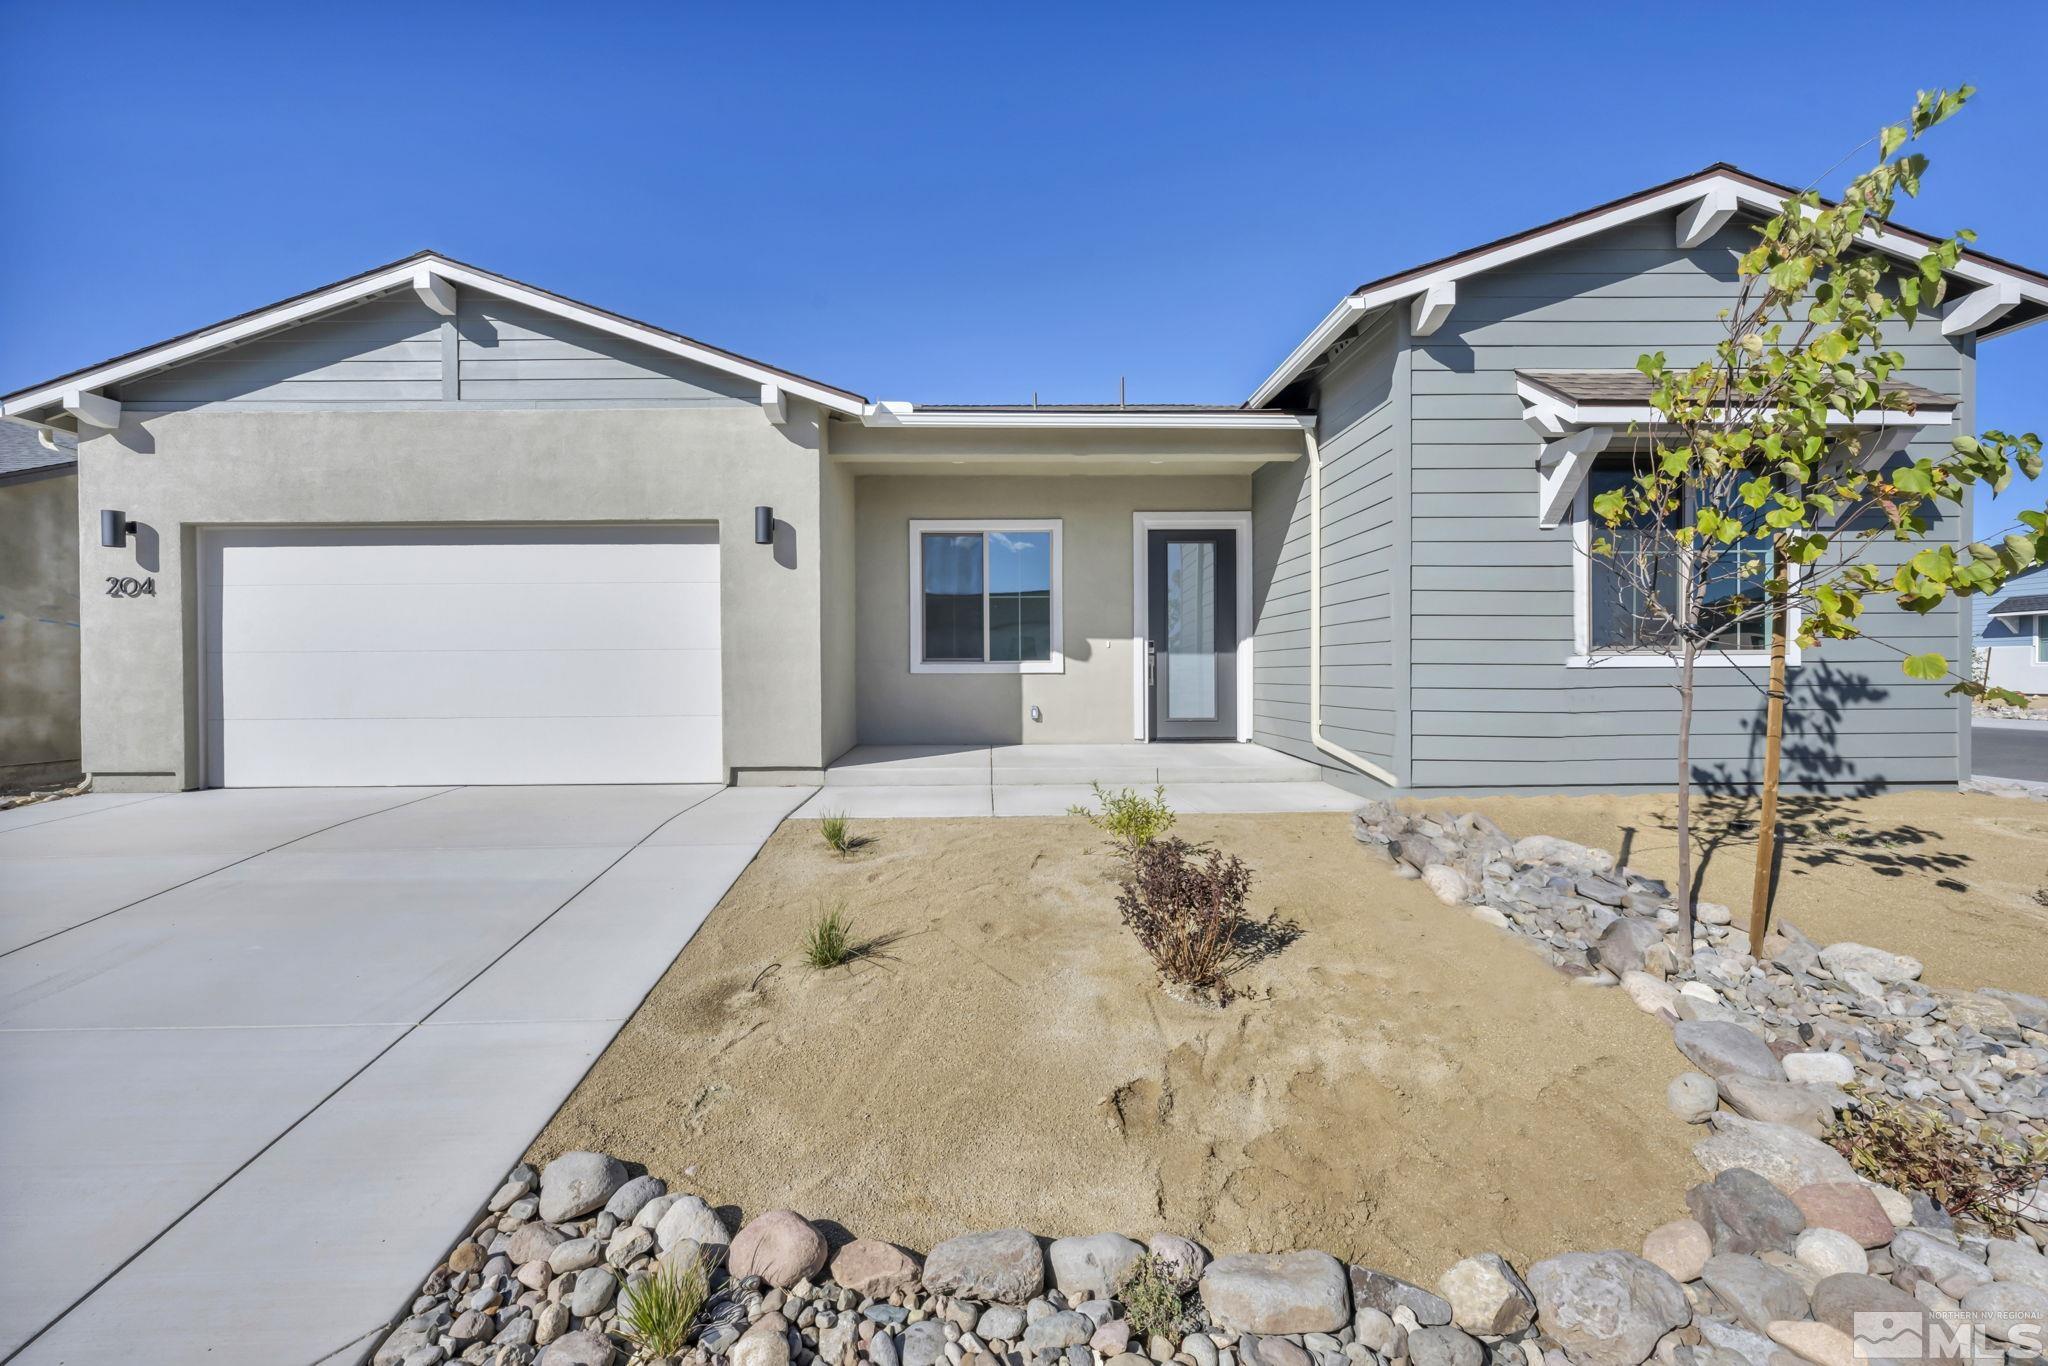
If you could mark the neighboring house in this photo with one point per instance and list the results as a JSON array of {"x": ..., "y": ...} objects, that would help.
[
  {"x": 433, "y": 525},
  {"x": 2012, "y": 630},
  {"x": 38, "y": 606}
]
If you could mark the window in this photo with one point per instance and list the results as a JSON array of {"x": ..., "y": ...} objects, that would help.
[
  {"x": 985, "y": 597},
  {"x": 1615, "y": 614},
  {"x": 2041, "y": 640}
]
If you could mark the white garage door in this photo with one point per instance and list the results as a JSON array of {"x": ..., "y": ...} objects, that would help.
[{"x": 394, "y": 655}]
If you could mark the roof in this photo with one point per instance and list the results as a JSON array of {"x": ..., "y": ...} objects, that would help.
[
  {"x": 1721, "y": 188},
  {"x": 1632, "y": 387},
  {"x": 22, "y": 451},
  {"x": 2034, "y": 605},
  {"x": 417, "y": 271}
]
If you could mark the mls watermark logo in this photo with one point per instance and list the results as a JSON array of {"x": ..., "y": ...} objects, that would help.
[{"x": 1981, "y": 1339}]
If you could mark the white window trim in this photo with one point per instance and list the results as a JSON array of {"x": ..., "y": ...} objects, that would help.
[
  {"x": 2040, "y": 639},
  {"x": 1584, "y": 657},
  {"x": 1141, "y": 591},
  {"x": 981, "y": 526}
]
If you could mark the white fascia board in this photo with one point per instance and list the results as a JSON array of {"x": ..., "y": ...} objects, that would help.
[
  {"x": 898, "y": 414},
  {"x": 1348, "y": 311},
  {"x": 1614, "y": 415},
  {"x": 1667, "y": 201},
  {"x": 404, "y": 276}
]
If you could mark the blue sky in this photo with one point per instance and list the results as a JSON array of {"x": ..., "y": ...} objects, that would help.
[{"x": 958, "y": 202}]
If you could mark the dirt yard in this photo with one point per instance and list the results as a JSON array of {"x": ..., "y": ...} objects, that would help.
[
  {"x": 1958, "y": 882},
  {"x": 1403, "y": 1086}
]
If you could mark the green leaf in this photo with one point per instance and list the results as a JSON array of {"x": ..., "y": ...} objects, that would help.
[{"x": 1927, "y": 667}]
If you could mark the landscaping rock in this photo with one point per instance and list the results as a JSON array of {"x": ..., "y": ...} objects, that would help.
[
  {"x": 1759, "y": 1294},
  {"x": 1093, "y": 1267},
  {"x": 692, "y": 1219},
  {"x": 1056, "y": 1332},
  {"x": 1003, "y": 1266},
  {"x": 1947, "y": 1265},
  {"x": 628, "y": 1245},
  {"x": 1808, "y": 1109},
  {"x": 1627, "y": 945},
  {"x": 533, "y": 1243},
  {"x": 1606, "y": 1308},
  {"x": 874, "y": 1269},
  {"x": 1847, "y": 1207},
  {"x": 1486, "y": 1296},
  {"x": 576, "y": 1184},
  {"x": 1377, "y": 1290},
  {"x": 1785, "y": 1157},
  {"x": 1742, "y": 1212},
  {"x": 1112, "y": 1338},
  {"x": 1000, "y": 1323},
  {"x": 1818, "y": 1069},
  {"x": 1291, "y": 1292},
  {"x": 1723, "y": 1050},
  {"x": 924, "y": 1343},
  {"x": 764, "y": 1344},
  {"x": 1443, "y": 1346},
  {"x": 2011, "y": 1261},
  {"x": 1533, "y": 849},
  {"x": 1183, "y": 1254},
  {"x": 2003, "y": 1308},
  {"x": 1450, "y": 885},
  {"x": 1831, "y": 1253},
  {"x": 1837, "y": 1300},
  {"x": 1815, "y": 1342},
  {"x": 1650, "y": 994},
  {"x": 628, "y": 1200},
  {"x": 780, "y": 1247},
  {"x": 1693, "y": 1097},
  {"x": 1844, "y": 958},
  {"x": 592, "y": 1293},
  {"x": 585, "y": 1347},
  {"x": 574, "y": 1255},
  {"x": 1679, "y": 1249}
]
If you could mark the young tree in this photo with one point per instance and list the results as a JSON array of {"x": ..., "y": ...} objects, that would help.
[{"x": 1756, "y": 503}]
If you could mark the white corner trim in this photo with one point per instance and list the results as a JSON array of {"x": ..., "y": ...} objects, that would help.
[
  {"x": 434, "y": 291},
  {"x": 92, "y": 410},
  {"x": 1561, "y": 471},
  {"x": 774, "y": 405},
  {"x": 1706, "y": 216},
  {"x": 1980, "y": 308},
  {"x": 1583, "y": 656},
  {"x": 1141, "y": 593},
  {"x": 1315, "y": 619},
  {"x": 980, "y": 526},
  {"x": 1432, "y": 307}
]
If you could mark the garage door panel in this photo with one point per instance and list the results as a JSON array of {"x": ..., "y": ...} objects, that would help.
[
  {"x": 380, "y": 752},
  {"x": 379, "y": 655},
  {"x": 474, "y": 616},
  {"x": 430, "y": 683},
  {"x": 624, "y": 555}
]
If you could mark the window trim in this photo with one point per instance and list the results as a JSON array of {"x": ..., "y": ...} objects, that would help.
[
  {"x": 1583, "y": 656},
  {"x": 2040, "y": 639},
  {"x": 981, "y": 526}
]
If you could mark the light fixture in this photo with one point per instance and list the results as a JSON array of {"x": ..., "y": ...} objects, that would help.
[
  {"x": 764, "y": 526},
  {"x": 115, "y": 528}
]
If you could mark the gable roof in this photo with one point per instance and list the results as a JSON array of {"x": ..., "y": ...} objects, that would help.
[
  {"x": 1720, "y": 187},
  {"x": 418, "y": 271}
]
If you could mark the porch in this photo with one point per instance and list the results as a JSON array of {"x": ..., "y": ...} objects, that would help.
[{"x": 873, "y": 781}]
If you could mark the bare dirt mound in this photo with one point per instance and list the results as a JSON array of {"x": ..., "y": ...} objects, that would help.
[{"x": 1402, "y": 1085}]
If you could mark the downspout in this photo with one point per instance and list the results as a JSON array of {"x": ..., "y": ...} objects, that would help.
[{"x": 1315, "y": 615}]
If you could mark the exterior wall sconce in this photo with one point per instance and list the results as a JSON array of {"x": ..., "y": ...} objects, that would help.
[
  {"x": 764, "y": 526},
  {"x": 115, "y": 528}
]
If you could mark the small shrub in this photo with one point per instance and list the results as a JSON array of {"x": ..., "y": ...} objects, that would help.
[
  {"x": 1155, "y": 1296},
  {"x": 660, "y": 1310},
  {"x": 1130, "y": 820},
  {"x": 828, "y": 941},
  {"x": 1914, "y": 1148},
  {"x": 838, "y": 834},
  {"x": 1188, "y": 913}
]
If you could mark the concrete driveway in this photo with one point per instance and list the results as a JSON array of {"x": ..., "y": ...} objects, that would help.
[{"x": 263, "y": 1052}]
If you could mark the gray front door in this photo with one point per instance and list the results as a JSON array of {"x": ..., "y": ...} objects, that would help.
[{"x": 1192, "y": 664}]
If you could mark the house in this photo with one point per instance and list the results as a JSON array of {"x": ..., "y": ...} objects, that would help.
[
  {"x": 2012, "y": 633},
  {"x": 38, "y": 607},
  {"x": 430, "y": 524}
]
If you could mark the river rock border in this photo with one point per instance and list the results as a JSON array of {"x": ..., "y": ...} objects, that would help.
[{"x": 1782, "y": 1246}]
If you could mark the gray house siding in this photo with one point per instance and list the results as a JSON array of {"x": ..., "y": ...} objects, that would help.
[
  {"x": 395, "y": 352},
  {"x": 1361, "y": 431},
  {"x": 1494, "y": 703}
]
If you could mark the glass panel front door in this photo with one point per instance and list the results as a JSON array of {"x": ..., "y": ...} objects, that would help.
[{"x": 1193, "y": 609}]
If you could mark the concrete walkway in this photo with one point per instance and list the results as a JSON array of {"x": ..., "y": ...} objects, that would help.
[
  {"x": 876, "y": 781},
  {"x": 264, "y": 1052}
]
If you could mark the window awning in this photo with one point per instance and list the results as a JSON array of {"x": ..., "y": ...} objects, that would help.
[
  {"x": 1577, "y": 412},
  {"x": 2035, "y": 605}
]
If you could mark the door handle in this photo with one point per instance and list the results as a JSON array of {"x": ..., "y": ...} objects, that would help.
[{"x": 1151, "y": 664}]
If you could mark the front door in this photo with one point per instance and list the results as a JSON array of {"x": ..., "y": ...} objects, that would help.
[{"x": 1192, "y": 651}]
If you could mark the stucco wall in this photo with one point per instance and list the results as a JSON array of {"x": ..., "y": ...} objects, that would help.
[
  {"x": 1090, "y": 701},
  {"x": 177, "y": 472},
  {"x": 39, "y": 627}
]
